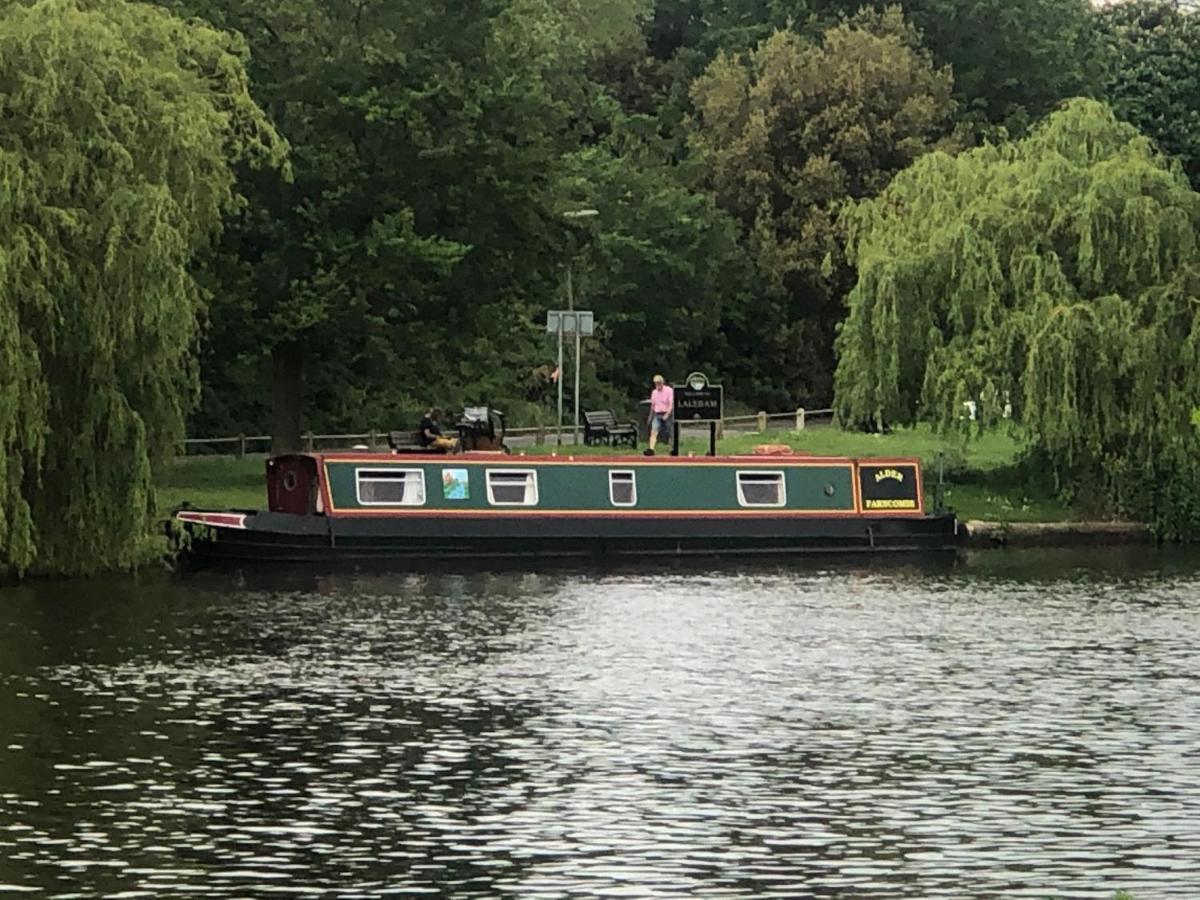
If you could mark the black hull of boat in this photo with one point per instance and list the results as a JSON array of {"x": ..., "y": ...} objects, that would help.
[{"x": 274, "y": 538}]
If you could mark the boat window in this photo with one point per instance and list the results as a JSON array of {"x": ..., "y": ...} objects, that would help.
[
  {"x": 622, "y": 488},
  {"x": 390, "y": 487},
  {"x": 761, "y": 489},
  {"x": 512, "y": 487}
]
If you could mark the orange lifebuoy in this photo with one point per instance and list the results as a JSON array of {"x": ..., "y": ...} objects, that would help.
[{"x": 776, "y": 450}]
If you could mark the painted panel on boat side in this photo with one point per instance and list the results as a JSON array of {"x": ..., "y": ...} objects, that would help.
[
  {"x": 576, "y": 487},
  {"x": 889, "y": 487}
]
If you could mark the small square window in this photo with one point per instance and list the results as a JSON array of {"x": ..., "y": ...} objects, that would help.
[
  {"x": 390, "y": 487},
  {"x": 512, "y": 487},
  {"x": 761, "y": 489},
  {"x": 622, "y": 488}
]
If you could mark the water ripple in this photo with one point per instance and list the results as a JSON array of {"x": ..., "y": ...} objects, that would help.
[{"x": 852, "y": 733}]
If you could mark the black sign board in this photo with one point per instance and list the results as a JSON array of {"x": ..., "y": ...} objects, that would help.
[
  {"x": 889, "y": 487},
  {"x": 698, "y": 401}
]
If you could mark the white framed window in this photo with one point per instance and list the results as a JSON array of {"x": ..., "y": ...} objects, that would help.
[
  {"x": 512, "y": 487},
  {"x": 759, "y": 488},
  {"x": 390, "y": 487},
  {"x": 622, "y": 487}
]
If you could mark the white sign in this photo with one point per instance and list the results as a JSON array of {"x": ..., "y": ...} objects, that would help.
[{"x": 569, "y": 321}]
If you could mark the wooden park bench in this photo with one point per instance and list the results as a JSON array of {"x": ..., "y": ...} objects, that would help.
[
  {"x": 601, "y": 427},
  {"x": 406, "y": 442}
]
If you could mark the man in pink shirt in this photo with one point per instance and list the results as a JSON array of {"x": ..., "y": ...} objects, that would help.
[{"x": 662, "y": 408}]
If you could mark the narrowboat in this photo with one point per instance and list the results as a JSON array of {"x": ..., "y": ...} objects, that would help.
[{"x": 373, "y": 506}]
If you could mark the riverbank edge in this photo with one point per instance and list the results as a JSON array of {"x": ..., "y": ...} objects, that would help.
[{"x": 982, "y": 534}]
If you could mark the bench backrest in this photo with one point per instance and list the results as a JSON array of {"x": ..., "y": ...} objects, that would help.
[
  {"x": 398, "y": 439},
  {"x": 600, "y": 417}
]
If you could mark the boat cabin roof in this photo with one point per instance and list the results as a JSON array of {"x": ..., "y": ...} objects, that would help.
[{"x": 495, "y": 457}]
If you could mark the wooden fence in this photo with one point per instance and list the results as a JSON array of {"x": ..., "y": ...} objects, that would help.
[{"x": 241, "y": 444}]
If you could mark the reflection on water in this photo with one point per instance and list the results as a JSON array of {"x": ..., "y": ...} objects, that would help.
[{"x": 1021, "y": 725}]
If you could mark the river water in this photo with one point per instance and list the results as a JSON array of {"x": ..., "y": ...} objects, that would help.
[{"x": 1012, "y": 725}]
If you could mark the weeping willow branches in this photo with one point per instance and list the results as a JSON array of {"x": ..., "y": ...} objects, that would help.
[
  {"x": 1057, "y": 278},
  {"x": 118, "y": 124}
]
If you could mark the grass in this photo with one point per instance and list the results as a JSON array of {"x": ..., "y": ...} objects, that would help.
[
  {"x": 212, "y": 482},
  {"x": 982, "y": 481}
]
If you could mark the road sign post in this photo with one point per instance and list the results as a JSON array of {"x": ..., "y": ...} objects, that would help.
[{"x": 581, "y": 323}]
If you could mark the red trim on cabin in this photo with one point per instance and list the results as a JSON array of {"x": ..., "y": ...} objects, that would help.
[
  {"x": 589, "y": 460},
  {"x": 397, "y": 512},
  {"x": 326, "y": 492},
  {"x": 504, "y": 459},
  {"x": 492, "y": 510}
]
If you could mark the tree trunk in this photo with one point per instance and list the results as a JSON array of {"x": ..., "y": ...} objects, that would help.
[{"x": 287, "y": 374}]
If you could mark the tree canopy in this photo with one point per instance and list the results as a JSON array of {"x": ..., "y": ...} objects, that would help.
[
  {"x": 1013, "y": 60},
  {"x": 1152, "y": 74},
  {"x": 783, "y": 138},
  {"x": 119, "y": 124},
  {"x": 434, "y": 149},
  {"x": 1054, "y": 279},
  {"x": 421, "y": 234}
]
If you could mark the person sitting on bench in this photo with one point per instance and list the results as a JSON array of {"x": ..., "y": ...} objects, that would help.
[{"x": 429, "y": 435}]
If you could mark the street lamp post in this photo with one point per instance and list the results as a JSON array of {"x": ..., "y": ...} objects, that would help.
[
  {"x": 571, "y": 307},
  {"x": 573, "y": 215},
  {"x": 559, "y": 371}
]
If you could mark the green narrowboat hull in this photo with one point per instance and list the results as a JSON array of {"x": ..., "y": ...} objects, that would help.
[
  {"x": 380, "y": 508},
  {"x": 280, "y": 538}
]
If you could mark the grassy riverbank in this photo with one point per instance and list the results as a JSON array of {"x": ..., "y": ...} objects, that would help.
[
  {"x": 212, "y": 482},
  {"x": 981, "y": 476}
]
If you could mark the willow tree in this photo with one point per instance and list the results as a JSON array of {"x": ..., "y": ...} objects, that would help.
[
  {"x": 1054, "y": 280},
  {"x": 119, "y": 124}
]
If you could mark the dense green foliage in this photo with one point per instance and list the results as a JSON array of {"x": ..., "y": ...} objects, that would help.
[
  {"x": 784, "y": 139},
  {"x": 1013, "y": 60},
  {"x": 1055, "y": 280},
  {"x": 435, "y": 148},
  {"x": 1153, "y": 74},
  {"x": 419, "y": 241},
  {"x": 117, "y": 129}
]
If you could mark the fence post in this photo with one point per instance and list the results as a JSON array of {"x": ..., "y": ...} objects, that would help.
[
  {"x": 800, "y": 419},
  {"x": 540, "y": 437},
  {"x": 241, "y": 445},
  {"x": 373, "y": 439},
  {"x": 308, "y": 441},
  {"x": 762, "y": 421}
]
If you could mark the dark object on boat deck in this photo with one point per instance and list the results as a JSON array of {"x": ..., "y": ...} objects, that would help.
[
  {"x": 601, "y": 427},
  {"x": 481, "y": 428}
]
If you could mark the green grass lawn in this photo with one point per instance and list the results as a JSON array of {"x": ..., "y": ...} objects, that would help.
[
  {"x": 981, "y": 480},
  {"x": 212, "y": 482}
]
